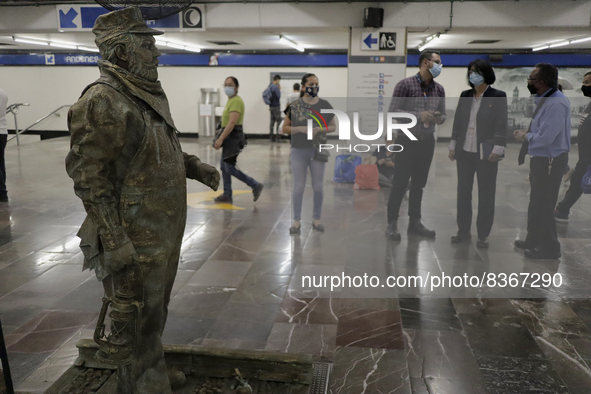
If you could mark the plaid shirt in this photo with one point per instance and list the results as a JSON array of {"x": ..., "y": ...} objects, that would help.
[{"x": 409, "y": 96}]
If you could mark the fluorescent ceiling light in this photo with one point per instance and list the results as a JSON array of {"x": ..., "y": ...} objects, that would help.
[
  {"x": 429, "y": 41},
  {"x": 88, "y": 49},
  {"x": 24, "y": 41},
  {"x": 53, "y": 44},
  {"x": 293, "y": 44},
  {"x": 177, "y": 46},
  {"x": 540, "y": 48},
  {"x": 559, "y": 44},
  {"x": 580, "y": 40},
  {"x": 192, "y": 49}
]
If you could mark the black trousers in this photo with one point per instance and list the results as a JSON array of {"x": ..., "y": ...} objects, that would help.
[
  {"x": 545, "y": 186},
  {"x": 468, "y": 164},
  {"x": 574, "y": 191},
  {"x": 412, "y": 164},
  {"x": 3, "y": 138}
]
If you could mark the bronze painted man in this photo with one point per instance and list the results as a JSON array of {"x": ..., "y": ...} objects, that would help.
[{"x": 130, "y": 172}]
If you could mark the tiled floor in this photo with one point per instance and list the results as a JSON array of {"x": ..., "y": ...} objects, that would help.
[{"x": 239, "y": 282}]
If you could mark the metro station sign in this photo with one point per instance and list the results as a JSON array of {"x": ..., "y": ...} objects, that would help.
[{"x": 82, "y": 18}]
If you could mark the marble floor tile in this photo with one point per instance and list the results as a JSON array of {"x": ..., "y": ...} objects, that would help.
[
  {"x": 445, "y": 386},
  {"x": 518, "y": 375},
  {"x": 366, "y": 370},
  {"x": 570, "y": 359},
  {"x": 200, "y": 302},
  {"x": 440, "y": 355},
  {"x": 359, "y": 325},
  {"x": 314, "y": 339},
  {"x": 429, "y": 314},
  {"x": 551, "y": 319},
  {"x": 221, "y": 273},
  {"x": 498, "y": 335},
  {"x": 305, "y": 310}
]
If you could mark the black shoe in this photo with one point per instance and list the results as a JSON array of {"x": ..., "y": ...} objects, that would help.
[
  {"x": 293, "y": 230},
  {"x": 221, "y": 199},
  {"x": 459, "y": 238},
  {"x": 392, "y": 232},
  {"x": 537, "y": 253},
  {"x": 318, "y": 227},
  {"x": 416, "y": 227},
  {"x": 522, "y": 244},
  {"x": 257, "y": 190},
  {"x": 482, "y": 243}
]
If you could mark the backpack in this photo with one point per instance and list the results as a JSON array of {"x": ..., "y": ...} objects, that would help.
[{"x": 267, "y": 95}]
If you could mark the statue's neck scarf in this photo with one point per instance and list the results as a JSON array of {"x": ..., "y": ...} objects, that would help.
[{"x": 149, "y": 92}]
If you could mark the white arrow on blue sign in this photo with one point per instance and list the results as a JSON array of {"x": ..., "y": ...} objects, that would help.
[{"x": 370, "y": 41}]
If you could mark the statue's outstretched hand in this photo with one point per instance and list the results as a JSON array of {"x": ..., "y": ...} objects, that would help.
[
  {"x": 209, "y": 175},
  {"x": 115, "y": 260}
]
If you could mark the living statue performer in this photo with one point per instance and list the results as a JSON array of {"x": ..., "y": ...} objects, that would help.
[{"x": 130, "y": 172}]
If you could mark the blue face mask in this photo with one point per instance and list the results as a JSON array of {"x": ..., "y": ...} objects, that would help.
[
  {"x": 476, "y": 79},
  {"x": 229, "y": 90},
  {"x": 312, "y": 91},
  {"x": 436, "y": 70}
]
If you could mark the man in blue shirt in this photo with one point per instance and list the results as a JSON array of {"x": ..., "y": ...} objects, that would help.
[
  {"x": 548, "y": 144},
  {"x": 275, "y": 108}
]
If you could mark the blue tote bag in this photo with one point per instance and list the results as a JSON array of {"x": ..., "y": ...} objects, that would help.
[{"x": 344, "y": 168}]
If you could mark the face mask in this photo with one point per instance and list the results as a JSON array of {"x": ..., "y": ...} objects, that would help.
[
  {"x": 229, "y": 90},
  {"x": 586, "y": 90},
  {"x": 436, "y": 70},
  {"x": 532, "y": 89},
  {"x": 476, "y": 79},
  {"x": 312, "y": 91}
]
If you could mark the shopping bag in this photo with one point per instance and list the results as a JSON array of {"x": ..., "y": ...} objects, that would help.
[
  {"x": 367, "y": 176},
  {"x": 586, "y": 181},
  {"x": 344, "y": 169}
]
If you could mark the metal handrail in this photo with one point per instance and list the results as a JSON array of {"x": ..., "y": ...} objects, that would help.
[{"x": 17, "y": 132}]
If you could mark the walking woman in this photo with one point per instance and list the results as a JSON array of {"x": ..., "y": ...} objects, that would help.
[
  {"x": 478, "y": 143},
  {"x": 232, "y": 140},
  {"x": 304, "y": 154}
]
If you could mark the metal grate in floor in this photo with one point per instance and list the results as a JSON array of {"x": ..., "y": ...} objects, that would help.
[{"x": 320, "y": 378}]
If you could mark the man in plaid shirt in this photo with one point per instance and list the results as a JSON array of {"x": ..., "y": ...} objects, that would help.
[{"x": 421, "y": 96}]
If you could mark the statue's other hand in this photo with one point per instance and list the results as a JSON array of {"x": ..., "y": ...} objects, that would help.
[
  {"x": 115, "y": 260},
  {"x": 209, "y": 176}
]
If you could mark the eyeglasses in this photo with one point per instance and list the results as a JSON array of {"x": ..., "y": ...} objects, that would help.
[{"x": 435, "y": 61}]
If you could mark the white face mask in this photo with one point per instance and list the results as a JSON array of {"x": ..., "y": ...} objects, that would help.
[
  {"x": 229, "y": 90},
  {"x": 436, "y": 69}
]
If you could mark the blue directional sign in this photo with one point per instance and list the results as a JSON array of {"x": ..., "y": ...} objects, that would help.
[
  {"x": 66, "y": 20},
  {"x": 82, "y": 17},
  {"x": 370, "y": 41}
]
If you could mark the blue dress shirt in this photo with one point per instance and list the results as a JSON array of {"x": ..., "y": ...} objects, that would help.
[{"x": 550, "y": 128}]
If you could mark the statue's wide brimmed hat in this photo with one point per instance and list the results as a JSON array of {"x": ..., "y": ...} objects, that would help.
[{"x": 116, "y": 23}]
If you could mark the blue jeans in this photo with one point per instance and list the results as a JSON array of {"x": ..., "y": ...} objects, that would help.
[
  {"x": 229, "y": 170},
  {"x": 301, "y": 159}
]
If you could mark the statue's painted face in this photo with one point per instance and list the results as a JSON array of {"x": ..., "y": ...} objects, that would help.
[{"x": 143, "y": 57}]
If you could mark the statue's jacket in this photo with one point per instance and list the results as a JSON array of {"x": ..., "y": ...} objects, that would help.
[{"x": 129, "y": 171}]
